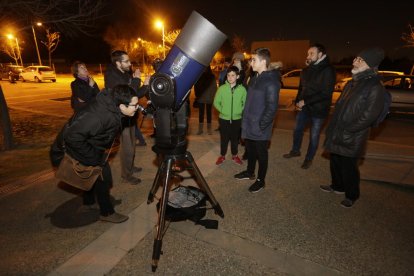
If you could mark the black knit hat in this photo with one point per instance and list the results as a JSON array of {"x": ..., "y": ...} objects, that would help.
[{"x": 372, "y": 56}]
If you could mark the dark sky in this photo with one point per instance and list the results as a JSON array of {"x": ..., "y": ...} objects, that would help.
[{"x": 344, "y": 27}]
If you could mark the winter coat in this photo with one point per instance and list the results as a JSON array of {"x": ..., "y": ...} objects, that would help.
[
  {"x": 230, "y": 101},
  {"x": 82, "y": 93},
  {"x": 261, "y": 106},
  {"x": 205, "y": 88},
  {"x": 92, "y": 130},
  {"x": 317, "y": 82},
  {"x": 356, "y": 110}
]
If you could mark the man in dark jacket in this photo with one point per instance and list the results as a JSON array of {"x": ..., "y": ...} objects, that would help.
[
  {"x": 358, "y": 107},
  {"x": 257, "y": 122},
  {"x": 84, "y": 87},
  {"x": 91, "y": 131},
  {"x": 119, "y": 72},
  {"x": 317, "y": 82}
]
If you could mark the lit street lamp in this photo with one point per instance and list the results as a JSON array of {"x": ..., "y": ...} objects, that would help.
[
  {"x": 10, "y": 36},
  {"x": 35, "y": 40},
  {"x": 160, "y": 25}
]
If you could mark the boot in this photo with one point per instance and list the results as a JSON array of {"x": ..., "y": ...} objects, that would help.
[
  {"x": 200, "y": 128},
  {"x": 209, "y": 131}
]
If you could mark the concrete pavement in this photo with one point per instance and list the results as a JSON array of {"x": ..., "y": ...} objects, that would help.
[{"x": 290, "y": 228}]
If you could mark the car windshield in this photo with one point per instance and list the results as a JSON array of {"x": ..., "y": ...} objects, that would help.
[{"x": 42, "y": 69}]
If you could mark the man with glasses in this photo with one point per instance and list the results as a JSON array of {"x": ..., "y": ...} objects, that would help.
[
  {"x": 119, "y": 72},
  {"x": 358, "y": 107},
  {"x": 313, "y": 101}
]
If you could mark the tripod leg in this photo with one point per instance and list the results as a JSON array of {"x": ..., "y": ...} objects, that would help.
[
  {"x": 156, "y": 183},
  {"x": 203, "y": 184},
  {"x": 161, "y": 215}
]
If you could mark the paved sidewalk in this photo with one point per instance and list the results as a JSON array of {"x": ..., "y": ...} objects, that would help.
[{"x": 290, "y": 228}]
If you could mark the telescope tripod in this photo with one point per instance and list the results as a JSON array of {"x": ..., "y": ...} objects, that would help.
[{"x": 163, "y": 176}]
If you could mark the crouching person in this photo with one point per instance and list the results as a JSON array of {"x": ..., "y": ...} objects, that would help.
[{"x": 91, "y": 132}]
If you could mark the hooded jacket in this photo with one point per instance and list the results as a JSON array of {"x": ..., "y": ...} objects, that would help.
[
  {"x": 356, "y": 110},
  {"x": 230, "y": 102},
  {"x": 261, "y": 106},
  {"x": 317, "y": 83},
  {"x": 93, "y": 129}
]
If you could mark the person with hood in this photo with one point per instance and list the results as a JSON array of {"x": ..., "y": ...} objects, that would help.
[
  {"x": 313, "y": 101},
  {"x": 84, "y": 87},
  {"x": 119, "y": 72},
  {"x": 90, "y": 132},
  {"x": 356, "y": 110},
  {"x": 229, "y": 102},
  {"x": 258, "y": 116}
]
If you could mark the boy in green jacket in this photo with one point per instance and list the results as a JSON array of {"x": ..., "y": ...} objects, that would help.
[{"x": 229, "y": 102}]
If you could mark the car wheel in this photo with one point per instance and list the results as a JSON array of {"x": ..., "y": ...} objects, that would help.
[
  {"x": 53, "y": 80},
  {"x": 37, "y": 79},
  {"x": 23, "y": 80}
]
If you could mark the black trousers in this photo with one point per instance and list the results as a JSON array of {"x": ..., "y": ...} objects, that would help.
[
  {"x": 345, "y": 175},
  {"x": 207, "y": 108},
  {"x": 101, "y": 190},
  {"x": 229, "y": 132},
  {"x": 257, "y": 151}
]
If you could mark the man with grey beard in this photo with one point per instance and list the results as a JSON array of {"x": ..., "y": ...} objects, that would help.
[{"x": 356, "y": 110}]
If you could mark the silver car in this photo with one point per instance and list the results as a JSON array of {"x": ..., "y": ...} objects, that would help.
[{"x": 401, "y": 88}]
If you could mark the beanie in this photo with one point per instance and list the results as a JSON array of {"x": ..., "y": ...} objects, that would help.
[{"x": 372, "y": 56}]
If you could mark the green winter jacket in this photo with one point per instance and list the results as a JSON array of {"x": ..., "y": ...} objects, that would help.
[{"x": 229, "y": 102}]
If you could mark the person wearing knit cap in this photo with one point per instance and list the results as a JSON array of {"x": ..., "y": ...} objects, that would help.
[{"x": 358, "y": 107}]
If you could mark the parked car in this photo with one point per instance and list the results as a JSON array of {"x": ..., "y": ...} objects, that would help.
[
  {"x": 339, "y": 86},
  {"x": 401, "y": 88},
  {"x": 291, "y": 79},
  {"x": 10, "y": 72},
  {"x": 38, "y": 74}
]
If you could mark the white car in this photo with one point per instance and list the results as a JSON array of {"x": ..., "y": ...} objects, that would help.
[
  {"x": 291, "y": 79},
  {"x": 38, "y": 74},
  {"x": 340, "y": 85}
]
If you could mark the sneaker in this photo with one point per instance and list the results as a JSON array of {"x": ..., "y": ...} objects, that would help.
[
  {"x": 306, "y": 164},
  {"x": 291, "y": 154},
  {"x": 132, "y": 180},
  {"x": 114, "y": 218},
  {"x": 244, "y": 175},
  {"x": 136, "y": 169},
  {"x": 237, "y": 160},
  {"x": 347, "y": 203},
  {"x": 329, "y": 189},
  {"x": 257, "y": 186},
  {"x": 220, "y": 160}
]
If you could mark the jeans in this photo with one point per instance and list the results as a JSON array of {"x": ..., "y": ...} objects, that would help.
[{"x": 302, "y": 119}]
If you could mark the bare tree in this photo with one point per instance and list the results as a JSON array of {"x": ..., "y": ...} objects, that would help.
[
  {"x": 408, "y": 38},
  {"x": 10, "y": 49},
  {"x": 170, "y": 37},
  {"x": 51, "y": 44},
  {"x": 67, "y": 16}
]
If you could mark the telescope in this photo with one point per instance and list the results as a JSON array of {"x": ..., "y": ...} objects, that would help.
[{"x": 170, "y": 88}]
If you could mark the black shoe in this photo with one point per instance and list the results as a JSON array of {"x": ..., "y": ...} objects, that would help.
[
  {"x": 136, "y": 169},
  {"x": 132, "y": 180},
  {"x": 244, "y": 175},
  {"x": 347, "y": 203},
  {"x": 291, "y": 154},
  {"x": 257, "y": 186},
  {"x": 329, "y": 189},
  {"x": 306, "y": 164}
]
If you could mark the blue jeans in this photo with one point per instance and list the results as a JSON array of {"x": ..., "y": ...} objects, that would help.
[{"x": 302, "y": 119}]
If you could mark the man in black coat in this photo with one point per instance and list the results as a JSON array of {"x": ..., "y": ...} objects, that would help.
[
  {"x": 317, "y": 82},
  {"x": 84, "y": 87},
  {"x": 90, "y": 132},
  {"x": 119, "y": 72},
  {"x": 356, "y": 110}
]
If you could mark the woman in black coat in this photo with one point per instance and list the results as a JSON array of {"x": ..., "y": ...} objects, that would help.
[{"x": 84, "y": 87}]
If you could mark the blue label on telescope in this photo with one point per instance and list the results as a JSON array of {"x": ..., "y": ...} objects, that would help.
[{"x": 184, "y": 70}]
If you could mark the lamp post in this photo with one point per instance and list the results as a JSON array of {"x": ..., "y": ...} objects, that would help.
[
  {"x": 160, "y": 25},
  {"x": 35, "y": 40},
  {"x": 143, "y": 53},
  {"x": 10, "y": 36}
]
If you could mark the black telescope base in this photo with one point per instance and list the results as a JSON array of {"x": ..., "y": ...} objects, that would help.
[{"x": 163, "y": 177}]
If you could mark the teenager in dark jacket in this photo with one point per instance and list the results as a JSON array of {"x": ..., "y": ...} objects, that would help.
[
  {"x": 358, "y": 107},
  {"x": 90, "y": 132},
  {"x": 84, "y": 87},
  {"x": 313, "y": 101},
  {"x": 119, "y": 72},
  {"x": 258, "y": 116}
]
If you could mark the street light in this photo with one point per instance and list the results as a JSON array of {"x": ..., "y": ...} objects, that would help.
[
  {"x": 37, "y": 47},
  {"x": 10, "y": 36},
  {"x": 160, "y": 25}
]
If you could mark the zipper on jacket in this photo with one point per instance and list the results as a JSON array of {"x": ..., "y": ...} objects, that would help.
[{"x": 231, "y": 109}]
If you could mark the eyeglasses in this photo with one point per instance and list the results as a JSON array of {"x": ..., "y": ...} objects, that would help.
[
  {"x": 134, "y": 105},
  {"x": 358, "y": 59}
]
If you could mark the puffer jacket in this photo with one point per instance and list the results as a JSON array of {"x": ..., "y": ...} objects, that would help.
[
  {"x": 356, "y": 110},
  {"x": 316, "y": 86},
  {"x": 230, "y": 102},
  {"x": 92, "y": 130},
  {"x": 261, "y": 106}
]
